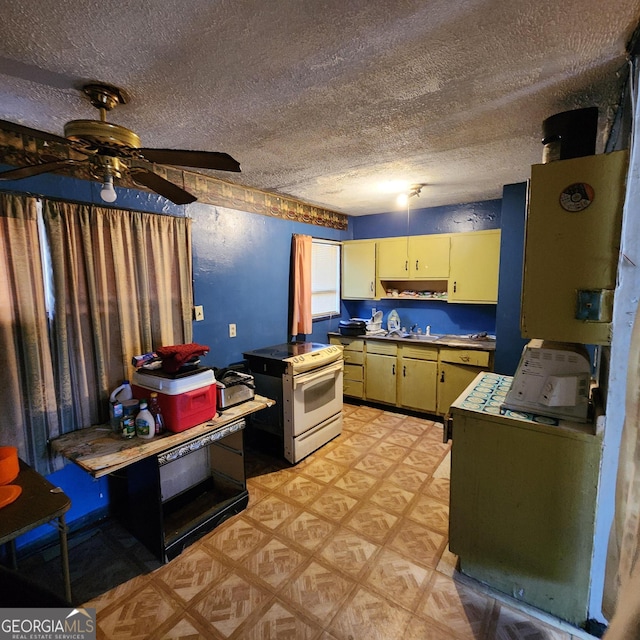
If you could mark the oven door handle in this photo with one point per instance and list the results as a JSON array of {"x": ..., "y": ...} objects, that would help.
[{"x": 306, "y": 378}]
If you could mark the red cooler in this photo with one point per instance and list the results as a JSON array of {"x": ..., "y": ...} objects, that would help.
[{"x": 186, "y": 399}]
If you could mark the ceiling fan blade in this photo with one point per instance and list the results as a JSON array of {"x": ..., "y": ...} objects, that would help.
[
  {"x": 186, "y": 158},
  {"x": 156, "y": 183},
  {"x": 32, "y": 133},
  {"x": 37, "y": 169}
]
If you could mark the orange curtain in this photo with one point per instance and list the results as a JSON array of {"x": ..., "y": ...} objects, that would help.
[{"x": 301, "y": 285}]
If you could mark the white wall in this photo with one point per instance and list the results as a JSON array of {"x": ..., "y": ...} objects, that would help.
[{"x": 625, "y": 307}]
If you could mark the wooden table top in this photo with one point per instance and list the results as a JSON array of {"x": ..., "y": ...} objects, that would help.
[
  {"x": 100, "y": 451},
  {"x": 39, "y": 502}
]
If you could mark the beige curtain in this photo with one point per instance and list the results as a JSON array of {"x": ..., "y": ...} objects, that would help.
[
  {"x": 122, "y": 283},
  {"x": 123, "y": 287},
  {"x": 301, "y": 321},
  {"x": 28, "y": 418}
]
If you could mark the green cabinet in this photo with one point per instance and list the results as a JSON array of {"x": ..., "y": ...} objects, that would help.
[
  {"x": 414, "y": 258},
  {"x": 474, "y": 263},
  {"x": 572, "y": 244},
  {"x": 393, "y": 259},
  {"x": 429, "y": 257},
  {"x": 381, "y": 371},
  {"x": 418, "y": 378},
  {"x": 522, "y": 506},
  {"x": 359, "y": 269},
  {"x": 353, "y": 356},
  {"x": 457, "y": 369}
]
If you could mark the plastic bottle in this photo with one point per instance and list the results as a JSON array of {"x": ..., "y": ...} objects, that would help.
[
  {"x": 145, "y": 424},
  {"x": 154, "y": 407},
  {"x": 128, "y": 421},
  {"x": 121, "y": 393}
]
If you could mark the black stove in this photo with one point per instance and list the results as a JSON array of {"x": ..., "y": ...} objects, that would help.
[
  {"x": 286, "y": 350},
  {"x": 291, "y": 357}
]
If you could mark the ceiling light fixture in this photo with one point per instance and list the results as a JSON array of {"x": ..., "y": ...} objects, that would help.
[
  {"x": 108, "y": 193},
  {"x": 106, "y": 168},
  {"x": 414, "y": 190}
]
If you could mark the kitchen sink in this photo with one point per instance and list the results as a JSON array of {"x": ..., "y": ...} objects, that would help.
[{"x": 422, "y": 337}]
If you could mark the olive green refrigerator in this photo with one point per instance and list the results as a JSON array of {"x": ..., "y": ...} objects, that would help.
[{"x": 523, "y": 499}]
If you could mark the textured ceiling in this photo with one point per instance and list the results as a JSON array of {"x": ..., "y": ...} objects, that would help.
[{"x": 323, "y": 100}]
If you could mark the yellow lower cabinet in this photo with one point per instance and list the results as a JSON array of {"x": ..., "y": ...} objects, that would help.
[
  {"x": 353, "y": 381},
  {"x": 418, "y": 378},
  {"x": 353, "y": 355},
  {"x": 417, "y": 384},
  {"x": 381, "y": 372},
  {"x": 453, "y": 380}
]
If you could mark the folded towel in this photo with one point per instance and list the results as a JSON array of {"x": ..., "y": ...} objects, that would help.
[{"x": 175, "y": 356}]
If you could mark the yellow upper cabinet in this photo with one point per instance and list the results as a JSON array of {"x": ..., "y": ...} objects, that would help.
[
  {"x": 393, "y": 259},
  {"x": 572, "y": 245},
  {"x": 359, "y": 269},
  {"x": 429, "y": 257},
  {"x": 414, "y": 258},
  {"x": 474, "y": 263}
]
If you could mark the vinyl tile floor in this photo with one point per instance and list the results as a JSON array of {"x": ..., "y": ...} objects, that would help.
[{"x": 349, "y": 544}]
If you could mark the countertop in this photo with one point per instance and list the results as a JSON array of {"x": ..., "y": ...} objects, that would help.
[
  {"x": 100, "y": 451},
  {"x": 446, "y": 340}
]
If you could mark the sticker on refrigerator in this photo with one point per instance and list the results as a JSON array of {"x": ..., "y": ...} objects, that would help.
[{"x": 576, "y": 197}]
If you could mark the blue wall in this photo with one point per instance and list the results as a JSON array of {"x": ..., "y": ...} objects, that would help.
[
  {"x": 510, "y": 343},
  {"x": 241, "y": 275},
  {"x": 474, "y": 216}
]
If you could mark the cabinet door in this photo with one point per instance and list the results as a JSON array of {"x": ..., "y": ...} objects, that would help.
[
  {"x": 572, "y": 245},
  {"x": 429, "y": 257},
  {"x": 380, "y": 383},
  {"x": 473, "y": 275},
  {"x": 453, "y": 380},
  {"x": 358, "y": 270},
  {"x": 393, "y": 263},
  {"x": 522, "y": 510},
  {"x": 417, "y": 384}
]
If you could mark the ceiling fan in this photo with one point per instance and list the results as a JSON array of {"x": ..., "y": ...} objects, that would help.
[{"x": 113, "y": 151}]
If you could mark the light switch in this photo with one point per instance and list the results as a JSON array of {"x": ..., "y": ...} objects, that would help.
[
  {"x": 232, "y": 330},
  {"x": 198, "y": 313}
]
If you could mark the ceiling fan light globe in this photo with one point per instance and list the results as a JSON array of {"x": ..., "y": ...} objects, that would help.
[{"x": 108, "y": 193}]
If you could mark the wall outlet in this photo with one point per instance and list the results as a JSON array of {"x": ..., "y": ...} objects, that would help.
[
  {"x": 232, "y": 330},
  {"x": 198, "y": 313}
]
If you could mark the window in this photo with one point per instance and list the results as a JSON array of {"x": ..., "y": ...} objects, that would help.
[{"x": 325, "y": 278}]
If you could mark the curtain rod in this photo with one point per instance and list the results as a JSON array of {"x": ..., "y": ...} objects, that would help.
[
  {"x": 331, "y": 240},
  {"x": 39, "y": 196}
]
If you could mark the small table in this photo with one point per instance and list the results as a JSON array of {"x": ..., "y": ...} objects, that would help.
[
  {"x": 139, "y": 472},
  {"x": 39, "y": 503}
]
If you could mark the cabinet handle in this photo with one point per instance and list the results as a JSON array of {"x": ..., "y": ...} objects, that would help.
[
  {"x": 442, "y": 376},
  {"x": 455, "y": 286},
  {"x": 393, "y": 369},
  {"x": 406, "y": 265},
  {"x": 416, "y": 265},
  {"x": 404, "y": 371},
  {"x": 371, "y": 286}
]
